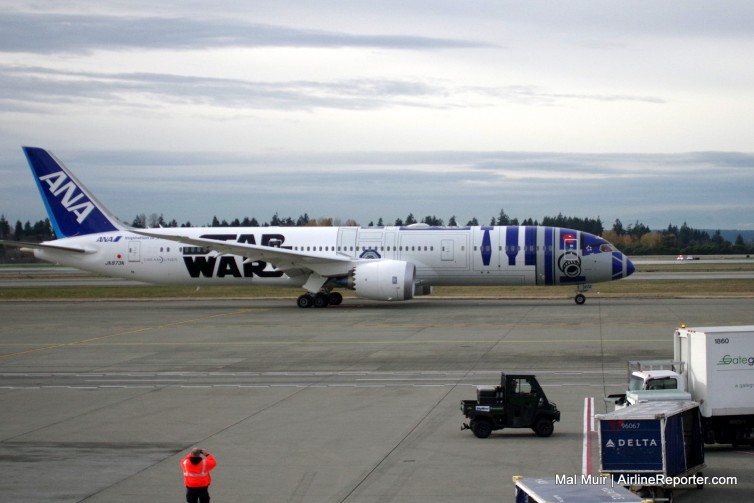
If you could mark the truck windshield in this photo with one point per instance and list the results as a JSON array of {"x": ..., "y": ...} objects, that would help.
[{"x": 635, "y": 384}]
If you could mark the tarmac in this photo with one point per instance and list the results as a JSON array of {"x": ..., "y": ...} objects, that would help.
[{"x": 355, "y": 403}]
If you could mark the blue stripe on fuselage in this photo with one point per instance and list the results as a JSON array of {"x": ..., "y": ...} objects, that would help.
[
  {"x": 530, "y": 246},
  {"x": 511, "y": 244},
  {"x": 486, "y": 247},
  {"x": 549, "y": 263},
  {"x": 617, "y": 265}
]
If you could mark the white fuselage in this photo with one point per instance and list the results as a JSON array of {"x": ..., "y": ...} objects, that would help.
[{"x": 512, "y": 256}]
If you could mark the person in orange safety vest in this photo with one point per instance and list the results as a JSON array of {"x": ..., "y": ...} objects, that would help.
[{"x": 196, "y": 467}]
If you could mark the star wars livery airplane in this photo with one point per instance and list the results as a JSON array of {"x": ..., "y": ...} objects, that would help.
[{"x": 380, "y": 263}]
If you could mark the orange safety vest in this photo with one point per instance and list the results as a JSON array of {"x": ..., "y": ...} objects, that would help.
[{"x": 197, "y": 475}]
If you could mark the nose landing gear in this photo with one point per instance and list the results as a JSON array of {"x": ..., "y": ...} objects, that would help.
[{"x": 580, "y": 297}]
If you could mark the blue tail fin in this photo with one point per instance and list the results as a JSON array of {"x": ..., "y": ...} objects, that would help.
[{"x": 72, "y": 209}]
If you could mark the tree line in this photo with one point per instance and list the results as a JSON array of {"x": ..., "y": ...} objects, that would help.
[{"x": 633, "y": 239}]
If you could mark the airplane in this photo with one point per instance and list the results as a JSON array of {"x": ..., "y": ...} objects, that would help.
[{"x": 391, "y": 263}]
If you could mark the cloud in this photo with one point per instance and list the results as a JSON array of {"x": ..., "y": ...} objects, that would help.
[
  {"x": 62, "y": 33},
  {"x": 36, "y": 85},
  {"x": 30, "y": 87},
  {"x": 370, "y": 185}
]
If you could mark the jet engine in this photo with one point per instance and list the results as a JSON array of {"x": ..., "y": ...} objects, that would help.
[{"x": 384, "y": 280}]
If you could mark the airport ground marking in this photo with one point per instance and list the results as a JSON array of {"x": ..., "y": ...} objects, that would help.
[
  {"x": 127, "y": 332},
  {"x": 586, "y": 455},
  {"x": 94, "y": 340}
]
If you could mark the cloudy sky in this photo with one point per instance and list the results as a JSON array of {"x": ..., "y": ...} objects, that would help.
[{"x": 641, "y": 110}]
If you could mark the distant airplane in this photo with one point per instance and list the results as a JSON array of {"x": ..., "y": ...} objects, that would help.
[{"x": 380, "y": 263}]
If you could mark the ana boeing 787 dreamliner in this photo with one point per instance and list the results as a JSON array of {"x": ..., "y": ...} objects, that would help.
[{"x": 380, "y": 263}]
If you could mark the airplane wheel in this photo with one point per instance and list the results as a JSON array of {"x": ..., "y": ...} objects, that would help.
[
  {"x": 580, "y": 299},
  {"x": 305, "y": 301},
  {"x": 335, "y": 298},
  {"x": 320, "y": 300}
]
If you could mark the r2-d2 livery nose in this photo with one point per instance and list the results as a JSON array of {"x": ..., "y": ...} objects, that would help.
[
  {"x": 603, "y": 262},
  {"x": 622, "y": 266},
  {"x": 629, "y": 268}
]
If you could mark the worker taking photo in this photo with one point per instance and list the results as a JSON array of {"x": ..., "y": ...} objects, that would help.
[{"x": 196, "y": 467}]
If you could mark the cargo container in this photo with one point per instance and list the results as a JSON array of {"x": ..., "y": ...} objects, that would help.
[
  {"x": 653, "y": 447},
  {"x": 556, "y": 490}
]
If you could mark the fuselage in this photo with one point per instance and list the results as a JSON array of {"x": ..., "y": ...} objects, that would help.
[
  {"x": 378, "y": 263},
  {"x": 500, "y": 255}
]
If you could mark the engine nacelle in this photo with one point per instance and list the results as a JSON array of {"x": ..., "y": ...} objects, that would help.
[{"x": 384, "y": 280}]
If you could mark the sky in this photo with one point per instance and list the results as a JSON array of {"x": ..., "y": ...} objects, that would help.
[{"x": 641, "y": 111}]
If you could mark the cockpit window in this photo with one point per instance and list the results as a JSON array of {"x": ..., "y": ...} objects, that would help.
[{"x": 593, "y": 244}]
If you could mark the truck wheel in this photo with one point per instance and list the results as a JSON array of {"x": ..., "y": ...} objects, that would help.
[
  {"x": 543, "y": 427},
  {"x": 481, "y": 428}
]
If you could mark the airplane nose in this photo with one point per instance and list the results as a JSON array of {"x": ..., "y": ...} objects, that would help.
[{"x": 629, "y": 267}]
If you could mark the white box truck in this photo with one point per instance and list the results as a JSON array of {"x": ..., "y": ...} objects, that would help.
[{"x": 715, "y": 366}]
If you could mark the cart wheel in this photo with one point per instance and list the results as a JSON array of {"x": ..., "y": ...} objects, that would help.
[
  {"x": 481, "y": 428},
  {"x": 543, "y": 427}
]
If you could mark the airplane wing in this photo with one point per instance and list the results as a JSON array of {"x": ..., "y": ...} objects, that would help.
[
  {"x": 289, "y": 261},
  {"x": 43, "y": 246}
]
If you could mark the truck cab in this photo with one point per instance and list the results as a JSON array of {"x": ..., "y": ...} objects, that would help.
[
  {"x": 518, "y": 402},
  {"x": 653, "y": 380},
  {"x": 656, "y": 380}
]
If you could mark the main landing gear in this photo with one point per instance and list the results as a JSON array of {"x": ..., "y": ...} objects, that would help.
[
  {"x": 580, "y": 297},
  {"x": 321, "y": 299}
]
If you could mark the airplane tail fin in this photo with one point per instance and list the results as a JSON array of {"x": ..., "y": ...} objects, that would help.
[{"x": 73, "y": 210}]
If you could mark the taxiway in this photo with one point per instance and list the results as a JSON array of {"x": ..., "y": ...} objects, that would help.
[{"x": 358, "y": 403}]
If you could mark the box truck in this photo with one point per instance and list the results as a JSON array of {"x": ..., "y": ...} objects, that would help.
[{"x": 711, "y": 365}]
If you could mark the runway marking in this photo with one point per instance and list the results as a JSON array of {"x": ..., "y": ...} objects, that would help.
[
  {"x": 239, "y": 386},
  {"x": 409, "y": 373},
  {"x": 52, "y": 346},
  {"x": 279, "y": 379},
  {"x": 586, "y": 454},
  {"x": 94, "y": 340}
]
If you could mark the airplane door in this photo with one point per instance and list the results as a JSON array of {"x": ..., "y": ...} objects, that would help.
[
  {"x": 569, "y": 262},
  {"x": 134, "y": 251},
  {"x": 570, "y": 243},
  {"x": 485, "y": 250},
  {"x": 347, "y": 240},
  {"x": 369, "y": 244},
  {"x": 447, "y": 246},
  {"x": 390, "y": 244}
]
